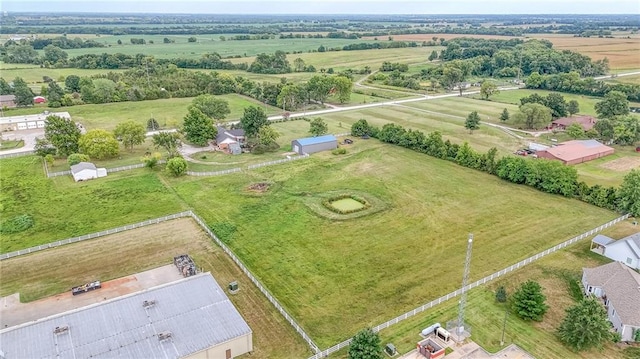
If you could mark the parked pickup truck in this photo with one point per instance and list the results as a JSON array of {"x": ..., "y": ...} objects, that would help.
[{"x": 86, "y": 287}]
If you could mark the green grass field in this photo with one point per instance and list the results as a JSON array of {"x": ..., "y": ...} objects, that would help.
[
  {"x": 62, "y": 208},
  {"x": 346, "y": 204},
  {"x": 336, "y": 277},
  {"x": 168, "y": 112}
]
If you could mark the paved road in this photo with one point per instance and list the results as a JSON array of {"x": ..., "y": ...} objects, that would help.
[{"x": 617, "y": 75}]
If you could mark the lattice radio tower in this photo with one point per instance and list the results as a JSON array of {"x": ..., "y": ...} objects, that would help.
[{"x": 463, "y": 295}]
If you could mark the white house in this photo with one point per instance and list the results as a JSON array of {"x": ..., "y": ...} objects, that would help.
[
  {"x": 618, "y": 286},
  {"x": 625, "y": 250},
  {"x": 86, "y": 170}
]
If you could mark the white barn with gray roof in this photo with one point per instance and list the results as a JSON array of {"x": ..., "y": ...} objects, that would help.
[
  {"x": 189, "y": 318},
  {"x": 618, "y": 286}
]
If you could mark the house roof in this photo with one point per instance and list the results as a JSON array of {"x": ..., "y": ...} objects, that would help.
[
  {"x": 7, "y": 98},
  {"x": 573, "y": 150},
  {"x": 83, "y": 166},
  {"x": 621, "y": 285},
  {"x": 587, "y": 122},
  {"x": 224, "y": 134},
  {"x": 37, "y": 117},
  {"x": 602, "y": 240},
  {"x": 632, "y": 243},
  {"x": 316, "y": 140},
  {"x": 194, "y": 310}
]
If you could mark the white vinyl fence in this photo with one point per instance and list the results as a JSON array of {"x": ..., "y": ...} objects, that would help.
[
  {"x": 275, "y": 162},
  {"x": 18, "y": 154},
  {"x": 214, "y": 173},
  {"x": 477, "y": 283}
]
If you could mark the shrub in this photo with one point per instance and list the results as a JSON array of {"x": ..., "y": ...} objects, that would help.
[
  {"x": 177, "y": 166},
  {"x": 339, "y": 151},
  {"x": 16, "y": 224},
  {"x": 151, "y": 160},
  {"x": 616, "y": 337},
  {"x": 501, "y": 294},
  {"x": 76, "y": 158}
]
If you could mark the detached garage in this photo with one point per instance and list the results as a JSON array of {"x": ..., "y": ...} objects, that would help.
[
  {"x": 86, "y": 170},
  {"x": 314, "y": 144}
]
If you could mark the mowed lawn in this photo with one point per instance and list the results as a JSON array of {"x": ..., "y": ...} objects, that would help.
[
  {"x": 485, "y": 316},
  {"x": 56, "y": 270},
  {"x": 168, "y": 112},
  {"x": 336, "y": 277},
  {"x": 62, "y": 208}
]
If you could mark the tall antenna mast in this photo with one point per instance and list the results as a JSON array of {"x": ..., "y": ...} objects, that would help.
[{"x": 463, "y": 295}]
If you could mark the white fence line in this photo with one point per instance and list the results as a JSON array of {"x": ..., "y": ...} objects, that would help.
[
  {"x": 275, "y": 162},
  {"x": 214, "y": 173},
  {"x": 477, "y": 283},
  {"x": 257, "y": 283},
  {"x": 17, "y": 154},
  {"x": 94, "y": 235}
]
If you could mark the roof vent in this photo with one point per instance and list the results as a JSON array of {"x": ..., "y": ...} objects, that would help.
[
  {"x": 164, "y": 336},
  {"x": 148, "y": 304},
  {"x": 61, "y": 330}
]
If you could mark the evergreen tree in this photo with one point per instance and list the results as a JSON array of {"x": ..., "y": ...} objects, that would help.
[
  {"x": 504, "y": 116},
  {"x": 501, "y": 294},
  {"x": 529, "y": 302},
  {"x": 472, "y": 122}
]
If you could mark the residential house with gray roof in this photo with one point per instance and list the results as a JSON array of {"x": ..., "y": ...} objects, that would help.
[
  {"x": 625, "y": 250},
  {"x": 618, "y": 286}
]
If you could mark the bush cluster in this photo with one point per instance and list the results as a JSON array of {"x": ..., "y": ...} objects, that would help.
[
  {"x": 327, "y": 203},
  {"x": 339, "y": 151},
  {"x": 16, "y": 224}
]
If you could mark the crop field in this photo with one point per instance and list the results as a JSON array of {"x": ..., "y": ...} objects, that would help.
[
  {"x": 623, "y": 52},
  {"x": 61, "y": 208},
  {"x": 485, "y": 316},
  {"x": 336, "y": 277},
  {"x": 56, "y": 270},
  {"x": 168, "y": 112},
  {"x": 33, "y": 74},
  {"x": 206, "y": 43}
]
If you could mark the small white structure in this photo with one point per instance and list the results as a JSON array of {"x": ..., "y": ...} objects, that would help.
[
  {"x": 86, "y": 170},
  {"x": 625, "y": 250},
  {"x": 618, "y": 286},
  {"x": 28, "y": 122}
]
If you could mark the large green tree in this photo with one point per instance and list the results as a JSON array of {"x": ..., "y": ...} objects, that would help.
[
  {"x": 361, "y": 128},
  {"x": 626, "y": 130},
  {"x": 472, "y": 122},
  {"x": 198, "y": 127},
  {"x": 585, "y": 326},
  {"x": 573, "y": 107},
  {"x": 528, "y": 302},
  {"x": 63, "y": 134},
  {"x": 72, "y": 83},
  {"x": 267, "y": 136},
  {"x": 365, "y": 345},
  {"x": 318, "y": 127},
  {"x": 319, "y": 87},
  {"x": 342, "y": 86},
  {"x": 54, "y": 94},
  {"x": 488, "y": 89},
  {"x": 533, "y": 115},
  {"x": 23, "y": 93},
  {"x": 615, "y": 103},
  {"x": 214, "y": 107},
  {"x": 575, "y": 131},
  {"x": 170, "y": 141},
  {"x": 53, "y": 54},
  {"x": 605, "y": 129},
  {"x": 99, "y": 144},
  {"x": 130, "y": 134},
  {"x": 629, "y": 193},
  {"x": 253, "y": 118}
]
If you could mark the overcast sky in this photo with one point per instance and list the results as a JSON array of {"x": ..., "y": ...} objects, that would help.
[{"x": 331, "y": 6}]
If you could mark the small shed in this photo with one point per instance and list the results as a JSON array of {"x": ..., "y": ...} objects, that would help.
[
  {"x": 314, "y": 144},
  {"x": 84, "y": 171},
  {"x": 235, "y": 149},
  {"x": 39, "y": 99}
]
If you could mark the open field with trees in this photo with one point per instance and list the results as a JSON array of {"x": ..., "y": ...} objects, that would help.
[
  {"x": 431, "y": 203},
  {"x": 56, "y": 270}
]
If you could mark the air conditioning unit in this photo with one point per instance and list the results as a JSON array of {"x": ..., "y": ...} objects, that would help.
[{"x": 233, "y": 286}]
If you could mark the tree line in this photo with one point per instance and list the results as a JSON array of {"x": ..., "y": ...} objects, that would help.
[
  {"x": 545, "y": 175},
  {"x": 571, "y": 82}
]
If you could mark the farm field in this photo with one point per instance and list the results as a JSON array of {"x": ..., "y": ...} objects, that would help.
[
  {"x": 168, "y": 112},
  {"x": 336, "y": 277},
  {"x": 207, "y": 43},
  {"x": 485, "y": 316},
  {"x": 418, "y": 119},
  {"x": 623, "y": 53},
  {"x": 61, "y": 208},
  {"x": 33, "y": 74},
  {"x": 56, "y": 270}
]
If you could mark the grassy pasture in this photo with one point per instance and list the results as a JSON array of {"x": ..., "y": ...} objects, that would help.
[
  {"x": 56, "y": 270},
  {"x": 33, "y": 74},
  {"x": 632, "y": 79},
  {"x": 337, "y": 276},
  {"x": 62, "y": 208},
  {"x": 168, "y": 112}
]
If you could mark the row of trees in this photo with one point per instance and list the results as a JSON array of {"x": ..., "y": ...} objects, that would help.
[
  {"x": 544, "y": 175},
  {"x": 571, "y": 82}
]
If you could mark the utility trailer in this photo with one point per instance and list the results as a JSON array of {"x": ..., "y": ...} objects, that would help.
[{"x": 86, "y": 287}]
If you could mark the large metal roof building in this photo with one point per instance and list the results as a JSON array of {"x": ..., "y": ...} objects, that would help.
[{"x": 188, "y": 318}]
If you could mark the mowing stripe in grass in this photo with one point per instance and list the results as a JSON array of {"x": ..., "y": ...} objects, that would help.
[{"x": 477, "y": 283}]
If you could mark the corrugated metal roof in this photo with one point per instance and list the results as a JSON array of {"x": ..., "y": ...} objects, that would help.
[
  {"x": 315, "y": 140},
  {"x": 195, "y": 310},
  {"x": 82, "y": 166}
]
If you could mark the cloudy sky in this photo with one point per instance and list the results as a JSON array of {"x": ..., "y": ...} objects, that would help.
[{"x": 331, "y": 6}]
